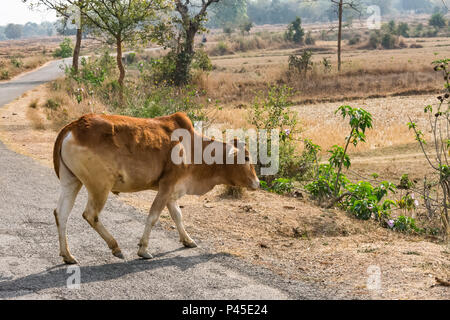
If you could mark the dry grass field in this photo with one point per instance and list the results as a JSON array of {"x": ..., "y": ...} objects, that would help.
[{"x": 19, "y": 56}]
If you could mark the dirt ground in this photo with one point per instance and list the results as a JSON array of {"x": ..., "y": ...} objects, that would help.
[{"x": 288, "y": 235}]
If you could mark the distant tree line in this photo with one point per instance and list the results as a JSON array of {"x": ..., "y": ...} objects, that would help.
[
  {"x": 284, "y": 11},
  {"x": 31, "y": 29}
]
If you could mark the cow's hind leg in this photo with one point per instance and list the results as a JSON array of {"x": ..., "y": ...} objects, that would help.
[
  {"x": 70, "y": 186},
  {"x": 96, "y": 202},
  {"x": 175, "y": 213}
]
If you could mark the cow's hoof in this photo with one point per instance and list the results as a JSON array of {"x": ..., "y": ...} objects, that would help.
[
  {"x": 189, "y": 243},
  {"x": 118, "y": 254},
  {"x": 145, "y": 255},
  {"x": 69, "y": 260}
]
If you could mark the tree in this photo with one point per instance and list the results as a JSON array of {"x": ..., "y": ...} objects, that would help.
[
  {"x": 341, "y": 6},
  {"x": 120, "y": 21},
  {"x": 192, "y": 16},
  {"x": 228, "y": 12},
  {"x": 13, "y": 31},
  {"x": 67, "y": 9},
  {"x": 295, "y": 32},
  {"x": 403, "y": 29},
  {"x": 437, "y": 20}
]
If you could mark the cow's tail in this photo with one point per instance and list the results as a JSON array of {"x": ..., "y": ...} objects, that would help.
[{"x": 57, "y": 160}]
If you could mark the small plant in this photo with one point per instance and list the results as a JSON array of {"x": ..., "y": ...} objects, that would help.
[
  {"x": 301, "y": 63},
  {"x": 309, "y": 40},
  {"x": 326, "y": 64},
  {"x": 52, "y": 104},
  {"x": 404, "y": 224},
  {"x": 359, "y": 121},
  {"x": 246, "y": 26},
  {"x": 16, "y": 62},
  {"x": 131, "y": 58},
  {"x": 222, "y": 48},
  {"x": 280, "y": 186},
  {"x": 202, "y": 61},
  {"x": 34, "y": 104},
  {"x": 4, "y": 75},
  {"x": 405, "y": 182},
  {"x": 65, "y": 49}
]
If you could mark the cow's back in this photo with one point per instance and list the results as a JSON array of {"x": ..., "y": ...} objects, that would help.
[{"x": 136, "y": 150}]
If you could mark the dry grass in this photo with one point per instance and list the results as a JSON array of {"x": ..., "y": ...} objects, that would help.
[{"x": 366, "y": 73}]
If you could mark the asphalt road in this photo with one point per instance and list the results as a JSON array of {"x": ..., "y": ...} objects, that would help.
[{"x": 30, "y": 267}]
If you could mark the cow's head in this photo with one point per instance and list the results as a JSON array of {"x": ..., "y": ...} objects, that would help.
[{"x": 241, "y": 171}]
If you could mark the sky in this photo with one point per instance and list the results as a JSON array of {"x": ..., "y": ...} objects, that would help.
[{"x": 15, "y": 11}]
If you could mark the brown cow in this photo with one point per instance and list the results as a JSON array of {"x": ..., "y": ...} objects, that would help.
[{"x": 109, "y": 153}]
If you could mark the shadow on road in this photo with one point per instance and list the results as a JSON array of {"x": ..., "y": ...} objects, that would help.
[{"x": 56, "y": 277}]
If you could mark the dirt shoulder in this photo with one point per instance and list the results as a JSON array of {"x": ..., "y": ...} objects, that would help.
[{"x": 290, "y": 236}]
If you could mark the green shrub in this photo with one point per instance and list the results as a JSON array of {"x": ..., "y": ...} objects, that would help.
[
  {"x": 354, "y": 40},
  {"x": 280, "y": 185},
  {"x": 16, "y": 62},
  {"x": 131, "y": 58},
  {"x": 301, "y": 63},
  {"x": 222, "y": 48},
  {"x": 295, "y": 32},
  {"x": 65, "y": 49},
  {"x": 309, "y": 40},
  {"x": 52, "y": 104},
  {"x": 161, "y": 101},
  {"x": 202, "y": 61},
  {"x": 403, "y": 29},
  {"x": 388, "y": 41},
  {"x": 437, "y": 20},
  {"x": 374, "y": 40},
  {"x": 404, "y": 224},
  {"x": 4, "y": 75}
]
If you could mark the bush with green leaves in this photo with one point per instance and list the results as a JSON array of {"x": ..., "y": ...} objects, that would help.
[
  {"x": 202, "y": 61},
  {"x": 405, "y": 224},
  {"x": 301, "y": 63},
  {"x": 388, "y": 41},
  {"x": 365, "y": 200},
  {"x": 273, "y": 112},
  {"x": 295, "y": 32},
  {"x": 65, "y": 49},
  {"x": 280, "y": 185},
  {"x": 309, "y": 40},
  {"x": 437, "y": 20},
  {"x": 16, "y": 62},
  {"x": 161, "y": 101}
]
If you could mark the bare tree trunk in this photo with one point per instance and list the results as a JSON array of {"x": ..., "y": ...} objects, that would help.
[
  {"x": 184, "y": 57},
  {"x": 76, "y": 51},
  {"x": 340, "y": 33},
  {"x": 120, "y": 66}
]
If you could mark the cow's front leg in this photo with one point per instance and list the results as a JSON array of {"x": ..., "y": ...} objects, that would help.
[
  {"x": 175, "y": 213},
  {"x": 155, "y": 211}
]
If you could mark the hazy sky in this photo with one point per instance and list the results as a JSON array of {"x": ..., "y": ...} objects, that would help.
[{"x": 15, "y": 11}]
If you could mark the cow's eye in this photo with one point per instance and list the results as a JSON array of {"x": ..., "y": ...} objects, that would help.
[{"x": 247, "y": 159}]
